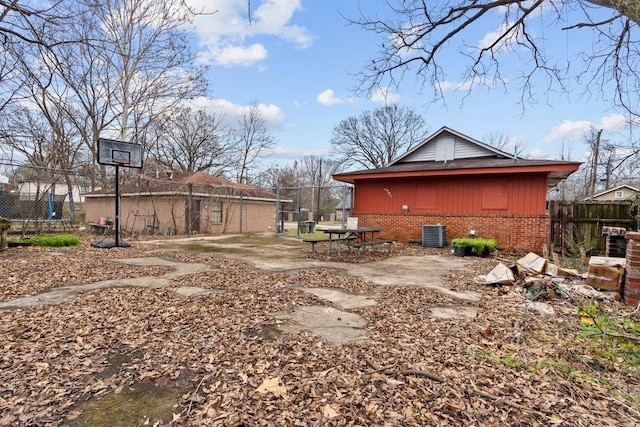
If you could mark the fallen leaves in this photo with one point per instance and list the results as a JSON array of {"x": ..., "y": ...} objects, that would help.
[
  {"x": 505, "y": 366},
  {"x": 274, "y": 386}
]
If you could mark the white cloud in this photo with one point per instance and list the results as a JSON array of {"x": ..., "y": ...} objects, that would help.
[
  {"x": 537, "y": 153},
  {"x": 271, "y": 113},
  {"x": 492, "y": 37},
  {"x": 272, "y": 18},
  {"x": 224, "y": 30},
  {"x": 383, "y": 95},
  {"x": 328, "y": 99},
  {"x": 569, "y": 129},
  {"x": 514, "y": 10},
  {"x": 239, "y": 55},
  {"x": 614, "y": 122},
  {"x": 454, "y": 86},
  {"x": 297, "y": 153}
]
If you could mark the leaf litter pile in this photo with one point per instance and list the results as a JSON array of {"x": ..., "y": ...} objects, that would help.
[{"x": 223, "y": 352}]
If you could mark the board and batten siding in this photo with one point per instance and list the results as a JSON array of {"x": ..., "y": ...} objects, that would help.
[{"x": 474, "y": 194}]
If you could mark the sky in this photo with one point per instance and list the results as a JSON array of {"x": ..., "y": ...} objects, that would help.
[{"x": 299, "y": 59}]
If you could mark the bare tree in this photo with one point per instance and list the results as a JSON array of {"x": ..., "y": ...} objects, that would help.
[
  {"x": 278, "y": 176},
  {"x": 315, "y": 173},
  {"x": 625, "y": 169},
  {"x": 504, "y": 142},
  {"x": 375, "y": 138},
  {"x": 594, "y": 141},
  {"x": 316, "y": 170},
  {"x": 420, "y": 35},
  {"x": 251, "y": 141},
  {"x": 133, "y": 66},
  {"x": 46, "y": 107},
  {"x": 28, "y": 134},
  {"x": 31, "y": 22},
  {"x": 148, "y": 54},
  {"x": 43, "y": 141},
  {"x": 39, "y": 26},
  {"x": 190, "y": 141}
]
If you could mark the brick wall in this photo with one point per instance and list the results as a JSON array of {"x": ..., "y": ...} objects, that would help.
[
  {"x": 519, "y": 233},
  {"x": 632, "y": 272}
]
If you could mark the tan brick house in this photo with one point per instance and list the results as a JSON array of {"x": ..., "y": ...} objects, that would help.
[{"x": 195, "y": 203}]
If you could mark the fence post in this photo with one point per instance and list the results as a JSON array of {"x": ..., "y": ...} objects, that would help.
[{"x": 5, "y": 224}]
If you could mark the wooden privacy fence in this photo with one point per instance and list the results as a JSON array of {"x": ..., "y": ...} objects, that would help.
[{"x": 576, "y": 225}]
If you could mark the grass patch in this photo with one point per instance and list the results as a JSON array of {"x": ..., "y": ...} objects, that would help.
[
  {"x": 47, "y": 240},
  {"x": 316, "y": 235},
  {"x": 477, "y": 245},
  {"x": 510, "y": 361},
  {"x": 616, "y": 337}
]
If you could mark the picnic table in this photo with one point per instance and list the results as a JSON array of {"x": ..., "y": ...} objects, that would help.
[{"x": 358, "y": 238}]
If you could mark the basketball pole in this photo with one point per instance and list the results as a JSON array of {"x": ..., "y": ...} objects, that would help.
[
  {"x": 118, "y": 154},
  {"x": 117, "y": 230},
  {"x": 117, "y": 243}
]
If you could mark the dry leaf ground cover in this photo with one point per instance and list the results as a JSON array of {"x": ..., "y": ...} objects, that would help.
[{"x": 142, "y": 356}]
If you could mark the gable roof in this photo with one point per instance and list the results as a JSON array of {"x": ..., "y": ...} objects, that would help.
[
  {"x": 196, "y": 184},
  {"x": 448, "y": 152},
  {"x": 611, "y": 190},
  {"x": 447, "y": 144}
]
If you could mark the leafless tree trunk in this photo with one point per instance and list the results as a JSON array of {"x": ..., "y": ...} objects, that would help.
[{"x": 252, "y": 141}]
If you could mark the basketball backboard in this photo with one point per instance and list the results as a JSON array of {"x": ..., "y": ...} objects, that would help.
[{"x": 119, "y": 153}]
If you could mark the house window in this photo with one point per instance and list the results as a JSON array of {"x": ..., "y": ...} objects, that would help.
[
  {"x": 619, "y": 194},
  {"x": 216, "y": 212}
]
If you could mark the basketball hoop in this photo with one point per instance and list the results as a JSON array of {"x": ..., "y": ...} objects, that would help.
[{"x": 118, "y": 154}]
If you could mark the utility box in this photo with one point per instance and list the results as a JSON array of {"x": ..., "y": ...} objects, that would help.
[{"x": 433, "y": 236}]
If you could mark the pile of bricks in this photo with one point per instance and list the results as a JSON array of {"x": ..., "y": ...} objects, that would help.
[
  {"x": 632, "y": 280},
  {"x": 616, "y": 244}
]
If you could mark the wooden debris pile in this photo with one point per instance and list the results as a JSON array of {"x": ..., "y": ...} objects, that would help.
[{"x": 541, "y": 279}]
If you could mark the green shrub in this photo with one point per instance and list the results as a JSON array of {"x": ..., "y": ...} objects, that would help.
[
  {"x": 479, "y": 244},
  {"x": 48, "y": 240}
]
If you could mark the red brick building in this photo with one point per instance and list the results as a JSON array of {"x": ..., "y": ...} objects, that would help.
[{"x": 464, "y": 184}]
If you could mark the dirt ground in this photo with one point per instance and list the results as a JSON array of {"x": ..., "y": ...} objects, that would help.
[{"x": 257, "y": 330}]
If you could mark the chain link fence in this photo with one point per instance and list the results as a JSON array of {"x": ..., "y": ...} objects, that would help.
[
  {"x": 313, "y": 204},
  {"x": 39, "y": 199}
]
